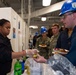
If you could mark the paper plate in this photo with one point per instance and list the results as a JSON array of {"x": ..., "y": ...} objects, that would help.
[
  {"x": 60, "y": 51},
  {"x": 43, "y": 45}
]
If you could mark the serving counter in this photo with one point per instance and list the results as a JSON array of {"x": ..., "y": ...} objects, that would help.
[{"x": 56, "y": 65}]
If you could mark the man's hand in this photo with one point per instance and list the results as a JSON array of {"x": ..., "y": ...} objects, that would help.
[{"x": 40, "y": 59}]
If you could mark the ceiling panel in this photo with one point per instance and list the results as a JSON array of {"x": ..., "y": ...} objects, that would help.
[{"x": 35, "y": 5}]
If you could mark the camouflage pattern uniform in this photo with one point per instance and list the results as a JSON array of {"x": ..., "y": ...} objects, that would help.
[
  {"x": 43, "y": 51},
  {"x": 53, "y": 42}
]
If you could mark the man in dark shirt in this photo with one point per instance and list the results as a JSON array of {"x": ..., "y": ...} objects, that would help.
[{"x": 64, "y": 40}]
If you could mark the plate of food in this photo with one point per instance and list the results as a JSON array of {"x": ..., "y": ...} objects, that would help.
[
  {"x": 60, "y": 51},
  {"x": 43, "y": 45}
]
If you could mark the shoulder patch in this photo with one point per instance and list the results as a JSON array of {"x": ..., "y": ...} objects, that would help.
[{"x": 74, "y": 5}]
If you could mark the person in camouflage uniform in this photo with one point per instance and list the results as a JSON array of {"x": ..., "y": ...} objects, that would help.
[
  {"x": 53, "y": 40},
  {"x": 43, "y": 43}
]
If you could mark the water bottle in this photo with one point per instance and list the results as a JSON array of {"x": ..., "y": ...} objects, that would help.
[{"x": 59, "y": 73}]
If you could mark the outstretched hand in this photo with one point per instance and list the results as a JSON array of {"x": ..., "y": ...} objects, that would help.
[{"x": 40, "y": 59}]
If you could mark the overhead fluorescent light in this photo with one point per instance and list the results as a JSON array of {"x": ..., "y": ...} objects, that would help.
[
  {"x": 43, "y": 18},
  {"x": 34, "y": 27},
  {"x": 46, "y": 2},
  {"x": 68, "y": 1}
]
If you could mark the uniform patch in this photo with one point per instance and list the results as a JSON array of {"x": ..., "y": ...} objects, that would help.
[{"x": 74, "y": 5}]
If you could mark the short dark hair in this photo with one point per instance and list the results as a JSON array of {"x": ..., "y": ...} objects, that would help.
[{"x": 3, "y": 21}]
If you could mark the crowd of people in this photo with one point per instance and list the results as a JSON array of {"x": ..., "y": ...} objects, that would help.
[
  {"x": 68, "y": 17},
  {"x": 64, "y": 38}
]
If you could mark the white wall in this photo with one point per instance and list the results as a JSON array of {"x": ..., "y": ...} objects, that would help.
[
  {"x": 27, "y": 36},
  {"x": 15, "y": 20},
  {"x": 23, "y": 35}
]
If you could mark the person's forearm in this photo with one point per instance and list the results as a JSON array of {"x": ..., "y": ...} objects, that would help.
[{"x": 18, "y": 54}]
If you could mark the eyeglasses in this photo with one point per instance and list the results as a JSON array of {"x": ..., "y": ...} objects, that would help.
[{"x": 64, "y": 16}]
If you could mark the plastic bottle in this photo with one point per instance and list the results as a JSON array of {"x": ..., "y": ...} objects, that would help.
[
  {"x": 17, "y": 68},
  {"x": 22, "y": 64},
  {"x": 28, "y": 68}
]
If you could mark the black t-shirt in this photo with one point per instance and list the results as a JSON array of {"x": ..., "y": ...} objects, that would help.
[{"x": 5, "y": 55}]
